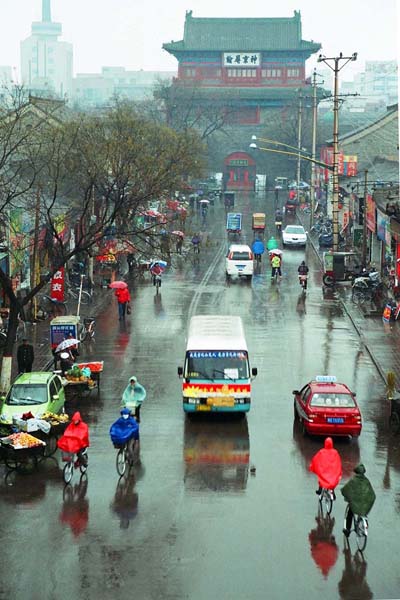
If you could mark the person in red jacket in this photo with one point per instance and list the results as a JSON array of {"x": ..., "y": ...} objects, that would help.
[
  {"x": 123, "y": 297},
  {"x": 327, "y": 465},
  {"x": 75, "y": 438}
]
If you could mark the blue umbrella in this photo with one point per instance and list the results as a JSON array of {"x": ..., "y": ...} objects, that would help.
[{"x": 258, "y": 247}]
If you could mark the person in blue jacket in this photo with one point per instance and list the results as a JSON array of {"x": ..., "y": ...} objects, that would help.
[
  {"x": 125, "y": 428},
  {"x": 133, "y": 396}
]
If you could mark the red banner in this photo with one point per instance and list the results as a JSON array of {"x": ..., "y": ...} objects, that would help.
[
  {"x": 57, "y": 285},
  {"x": 370, "y": 212}
]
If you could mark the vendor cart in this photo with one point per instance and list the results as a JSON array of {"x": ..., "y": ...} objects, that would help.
[
  {"x": 78, "y": 388},
  {"x": 62, "y": 328},
  {"x": 21, "y": 451},
  {"x": 258, "y": 223}
]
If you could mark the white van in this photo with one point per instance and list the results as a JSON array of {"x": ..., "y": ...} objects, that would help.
[
  {"x": 239, "y": 261},
  {"x": 216, "y": 374}
]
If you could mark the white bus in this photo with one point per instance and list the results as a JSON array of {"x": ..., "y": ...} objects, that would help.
[{"x": 216, "y": 374}]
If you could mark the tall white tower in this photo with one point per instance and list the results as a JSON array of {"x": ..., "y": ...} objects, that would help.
[{"x": 46, "y": 63}]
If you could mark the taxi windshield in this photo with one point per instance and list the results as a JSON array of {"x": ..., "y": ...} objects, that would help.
[
  {"x": 226, "y": 365},
  {"x": 25, "y": 394},
  {"x": 333, "y": 400}
]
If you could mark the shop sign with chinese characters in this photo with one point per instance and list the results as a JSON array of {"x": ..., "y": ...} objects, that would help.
[
  {"x": 242, "y": 59},
  {"x": 57, "y": 285}
]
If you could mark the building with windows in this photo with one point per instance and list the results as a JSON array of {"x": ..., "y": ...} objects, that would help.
[
  {"x": 249, "y": 64},
  {"x": 46, "y": 62}
]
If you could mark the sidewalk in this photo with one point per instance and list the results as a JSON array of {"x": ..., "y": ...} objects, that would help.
[
  {"x": 380, "y": 339},
  {"x": 38, "y": 334}
]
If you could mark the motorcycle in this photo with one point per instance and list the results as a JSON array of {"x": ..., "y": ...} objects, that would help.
[
  {"x": 303, "y": 281},
  {"x": 368, "y": 281},
  {"x": 326, "y": 239}
]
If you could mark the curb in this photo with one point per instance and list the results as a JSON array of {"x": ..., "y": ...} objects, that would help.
[{"x": 362, "y": 338}]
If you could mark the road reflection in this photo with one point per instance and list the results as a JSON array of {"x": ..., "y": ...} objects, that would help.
[
  {"x": 75, "y": 508},
  {"x": 126, "y": 500},
  {"x": 353, "y": 584},
  {"x": 323, "y": 547},
  {"x": 216, "y": 455}
]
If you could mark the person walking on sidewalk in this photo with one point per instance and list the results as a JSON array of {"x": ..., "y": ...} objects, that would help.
[
  {"x": 123, "y": 297},
  {"x": 25, "y": 357}
]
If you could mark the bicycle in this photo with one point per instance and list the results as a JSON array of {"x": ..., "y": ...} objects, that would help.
[
  {"x": 326, "y": 500},
  {"x": 126, "y": 455},
  {"x": 88, "y": 330},
  {"x": 86, "y": 297},
  {"x": 74, "y": 461},
  {"x": 51, "y": 307},
  {"x": 360, "y": 527},
  {"x": 157, "y": 282}
]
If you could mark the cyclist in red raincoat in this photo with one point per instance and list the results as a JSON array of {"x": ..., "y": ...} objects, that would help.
[
  {"x": 327, "y": 465},
  {"x": 76, "y": 437}
]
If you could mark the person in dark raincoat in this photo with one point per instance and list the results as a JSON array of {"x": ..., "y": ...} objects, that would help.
[
  {"x": 359, "y": 494},
  {"x": 327, "y": 465}
]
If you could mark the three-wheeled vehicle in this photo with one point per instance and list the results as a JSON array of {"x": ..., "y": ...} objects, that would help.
[
  {"x": 258, "y": 223},
  {"x": 234, "y": 223},
  {"x": 340, "y": 267}
]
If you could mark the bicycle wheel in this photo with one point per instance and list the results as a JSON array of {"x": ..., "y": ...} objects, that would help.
[
  {"x": 361, "y": 529},
  {"x": 68, "y": 471},
  {"x": 326, "y": 503},
  {"x": 121, "y": 462},
  {"x": 358, "y": 297},
  {"x": 85, "y": 297},
  {"x": 130, "y": 451}
]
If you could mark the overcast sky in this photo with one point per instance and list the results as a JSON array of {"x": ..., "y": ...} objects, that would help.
[{"x": 130, "y": 33}]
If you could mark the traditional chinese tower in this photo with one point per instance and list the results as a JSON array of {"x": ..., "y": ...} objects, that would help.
[{"x": 251, "y": 63}]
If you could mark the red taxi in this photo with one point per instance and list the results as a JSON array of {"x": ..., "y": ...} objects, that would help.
[{"x": 325, "y": 407}]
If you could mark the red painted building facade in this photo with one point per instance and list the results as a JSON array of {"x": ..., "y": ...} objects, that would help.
[{"x": 247, "y": 65}]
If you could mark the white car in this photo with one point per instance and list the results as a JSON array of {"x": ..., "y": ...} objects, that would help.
[
  {"x": 239, "y": 261},
  {"x": 294, "y": 235},
  {"x": 303, "y": 185}
]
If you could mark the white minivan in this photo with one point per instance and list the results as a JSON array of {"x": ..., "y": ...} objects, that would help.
[{"x": 239, "y": 261}]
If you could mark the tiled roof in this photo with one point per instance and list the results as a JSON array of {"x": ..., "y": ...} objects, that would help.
[{"x": 242, "y": 35}]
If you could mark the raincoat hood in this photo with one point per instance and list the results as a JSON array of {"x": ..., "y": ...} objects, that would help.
[
  {"x": 328, "y": 444},
  {"x": 360, "y": 469},
  {"x": 76, "y": 417}
]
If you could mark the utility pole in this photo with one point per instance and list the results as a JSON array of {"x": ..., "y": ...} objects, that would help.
[
  {"x": 299, "y": 144},
  {"x": 35, "y": 252},
  {"x": 313, "y": 148},
  {"x": 91, "y": 259},
  {"x": 335, "y": 200},
  {"x": 365, "y": 228}
]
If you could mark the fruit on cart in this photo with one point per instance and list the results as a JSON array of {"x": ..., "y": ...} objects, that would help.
[
  {"x": 54, "y": 418},
  {"x": 21, "y": 440}
]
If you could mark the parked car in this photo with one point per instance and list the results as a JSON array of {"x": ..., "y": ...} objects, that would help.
[
  {"x": 239, "y": 261},
  {"x": 294, "y": 235},
  {"x": 326, "y": 407},
  {"x": 303, "y": 185},
  {"x": 36, "y": 392}
]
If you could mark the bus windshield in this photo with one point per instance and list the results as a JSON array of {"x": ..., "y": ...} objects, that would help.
[{"x": 217, "y": 364}]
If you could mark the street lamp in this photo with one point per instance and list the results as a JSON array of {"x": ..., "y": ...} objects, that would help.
[{"x": 254, "y": 146}]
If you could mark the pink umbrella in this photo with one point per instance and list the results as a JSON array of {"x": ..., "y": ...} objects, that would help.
[
  {"x": 180, "y": 233},
  {"x": 118, "y": 285}
]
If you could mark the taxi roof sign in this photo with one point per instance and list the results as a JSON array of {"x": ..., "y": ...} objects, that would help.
[{"x": 326, "y": 379}]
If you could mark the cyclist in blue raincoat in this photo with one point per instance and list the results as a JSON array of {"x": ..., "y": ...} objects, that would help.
[
  {"x": 258, "y": 249},
  {"x": 125, "y": 428}
]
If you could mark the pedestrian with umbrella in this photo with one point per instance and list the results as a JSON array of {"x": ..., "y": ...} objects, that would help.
[
  {"x": 179, "y": 241},
  {"x": 123, "y": 298}
]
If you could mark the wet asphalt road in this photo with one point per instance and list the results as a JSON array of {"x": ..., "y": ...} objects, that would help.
[{"x": 195, "y": 521}]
